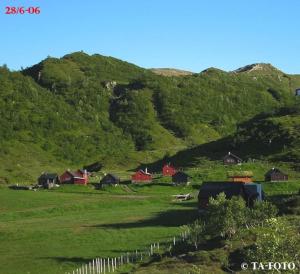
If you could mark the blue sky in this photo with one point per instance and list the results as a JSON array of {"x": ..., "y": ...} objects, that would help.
[{"x": 187, "y": 34}]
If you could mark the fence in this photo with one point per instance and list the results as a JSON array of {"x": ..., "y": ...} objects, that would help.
[{"x": 108, "y": 265}]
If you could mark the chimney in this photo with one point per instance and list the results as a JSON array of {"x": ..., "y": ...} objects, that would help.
[
  {"x": 229, "y": 153},
  {"x": 146, "y": 170}
]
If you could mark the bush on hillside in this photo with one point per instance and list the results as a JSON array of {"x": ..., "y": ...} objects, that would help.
[
  {"x": 276, "y": 242},
  {"x": 224, "y": 218}
]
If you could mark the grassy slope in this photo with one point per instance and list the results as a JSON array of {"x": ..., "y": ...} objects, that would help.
[
  {"x": 47, "y": 232},
  {"x": 55, "y": 231}
]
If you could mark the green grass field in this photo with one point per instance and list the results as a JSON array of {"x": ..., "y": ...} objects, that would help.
[{"x": 55, "y": 231}]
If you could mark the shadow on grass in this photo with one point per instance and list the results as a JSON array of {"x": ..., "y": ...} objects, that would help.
[
  {"x": 76, "y": 260},
  {"x": 153, "y": 185},
  {"x": 170, "y": 218}
]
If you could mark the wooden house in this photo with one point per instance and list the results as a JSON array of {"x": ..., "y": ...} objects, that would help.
[
  {"x": 168, "y": 170},
  {"x": 180, "y": 178},
  {"x": 110, "y": 179},
  {"x": 249, "y": 192},
  {"x": 48, "y": 180},
  {"x": 79, "y": 177},
  {"x": 141, "y": 176},
  {"x": 275, "y": 174},
  {"x": 231, "y": 159}
]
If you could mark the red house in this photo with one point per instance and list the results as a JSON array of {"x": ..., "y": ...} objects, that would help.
[
  {"x": 168, "y": 170},
  {"x": 79, "y": 177},
  {"x": 141, "y": 176}
]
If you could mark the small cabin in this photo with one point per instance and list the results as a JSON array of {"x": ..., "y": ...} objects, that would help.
[
  {"x": 180, "y": 178},
  {"x": 231, "y": 159},
  {"x": 141, "y": 176},
  {"x": 168, "y": 170},
  {"x": 275, "y": 175},
  {"x": 297, "y": 92},
  {"x": 249, "y": 192},
  {"x": 48, "y": 180},
  {"x": 240, "y": 176},
  {"x": 110, "y": 179},
  {"x": 79, "y": 177}
]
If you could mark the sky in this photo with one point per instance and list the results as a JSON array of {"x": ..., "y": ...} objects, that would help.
[{"x": 185, "y": 34}]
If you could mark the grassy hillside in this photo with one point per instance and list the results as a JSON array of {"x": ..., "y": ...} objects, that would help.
[
  {"x": 274, "y": 134},
  {"x": 55, "y": 231},
  {"x": 78, "y": 109}
]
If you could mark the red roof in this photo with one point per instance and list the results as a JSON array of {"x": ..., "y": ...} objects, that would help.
[{"x": 75, "y": 177}]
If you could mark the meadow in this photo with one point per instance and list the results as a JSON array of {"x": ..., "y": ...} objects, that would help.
[{"x": 55, "y": 231}]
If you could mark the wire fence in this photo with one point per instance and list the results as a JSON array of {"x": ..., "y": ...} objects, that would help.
[{"x": 112, "y": 264}]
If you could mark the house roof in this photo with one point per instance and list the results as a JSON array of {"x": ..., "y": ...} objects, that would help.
[
  {"x": 50, "y": 176},
  {"x": 115, "y": 177},
  {"x": 144, "y": 172},
  {"x": 232, "y": 155},
  {"x": 76, "y": 174},
  {"x": 273, "y": 171},
  {"x": 212, "y": 189},
  {"x": 239, "y": 174}
]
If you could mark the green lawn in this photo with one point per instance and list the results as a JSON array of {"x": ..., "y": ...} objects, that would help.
[{"x": 55, "y": 231}]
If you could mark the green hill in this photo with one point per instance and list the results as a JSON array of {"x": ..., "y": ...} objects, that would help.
[
  {"x": 275, "y": 134},
  {"x": 78, "y": 109}
]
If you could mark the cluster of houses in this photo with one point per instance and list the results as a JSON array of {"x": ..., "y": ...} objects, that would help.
[
  {"x": 144, "y": 176},
  {"x": 81, "y": 177},
  {"x": 239, "y": 184},
  {"x": 273, "y": 175},
  {"x": 50, "y": 180}
]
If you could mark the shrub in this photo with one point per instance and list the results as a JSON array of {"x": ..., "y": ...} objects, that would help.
[
  {"x": 225, "y": 216},
  {"x": 276, "y": 243},
  {"x": 260, "y": 212}
]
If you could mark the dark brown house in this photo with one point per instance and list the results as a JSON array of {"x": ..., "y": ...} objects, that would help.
[
  {"x": 231, "y": 159},
  {"x": 180, "y": 178},
  {"x": 275, "y": 174},
  {"x": 48, "y": 180},
  {"x": 110, "y": 179}
]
